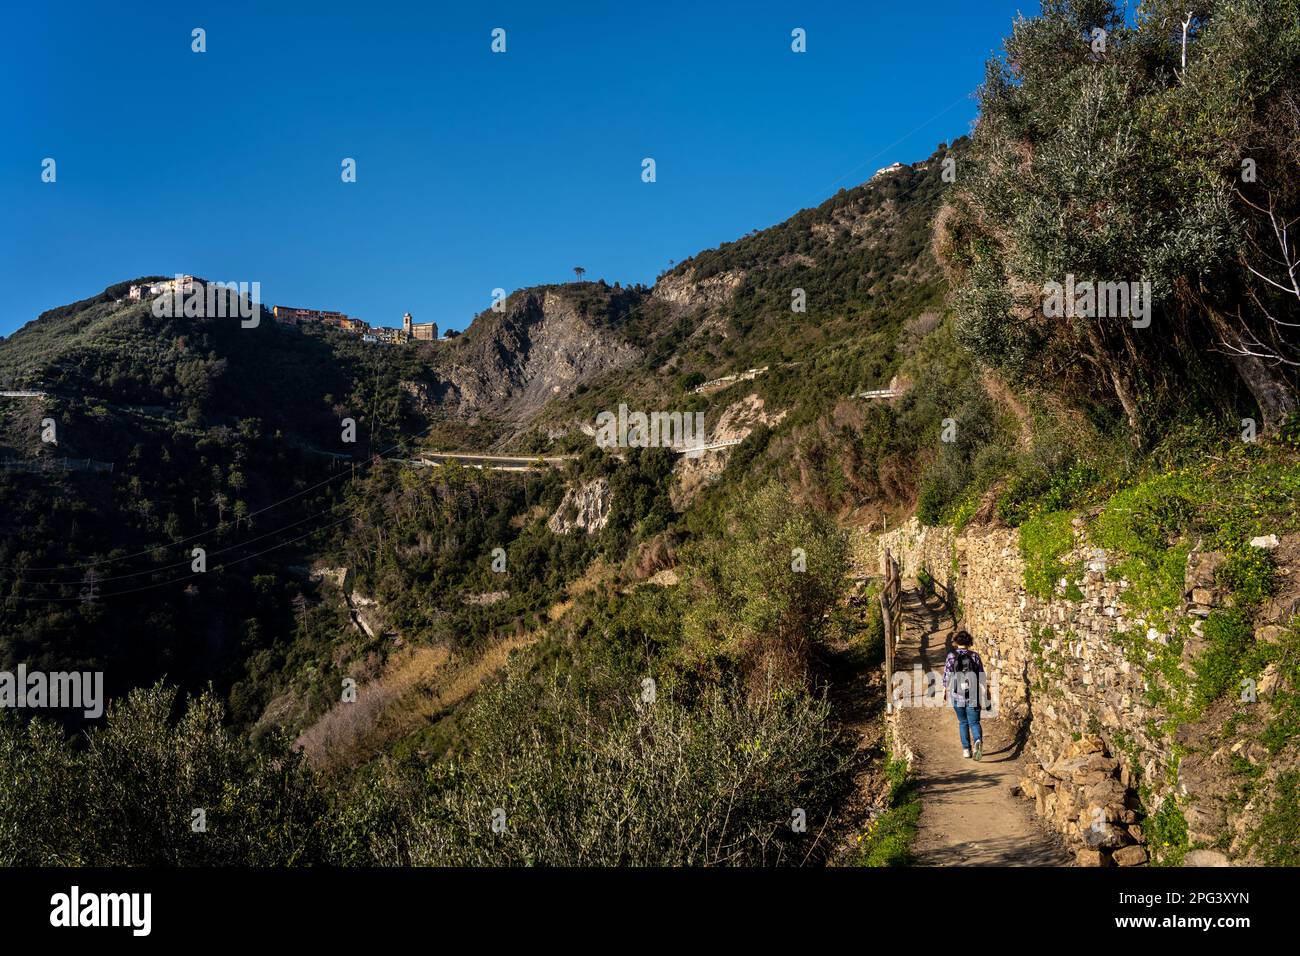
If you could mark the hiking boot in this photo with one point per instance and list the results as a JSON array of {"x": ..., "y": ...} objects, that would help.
[
  {"x": 979, "y": 750},
  {"x": 965, "y": 752}
]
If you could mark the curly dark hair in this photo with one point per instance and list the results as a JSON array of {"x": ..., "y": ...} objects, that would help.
[{"x": 963, "y": 639}]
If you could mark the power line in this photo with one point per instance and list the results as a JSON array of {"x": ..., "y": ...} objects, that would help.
[
  {"x": 178, "y": 564},
  {"x": 194, "y": 537},
  {"x": 196, "y": 574}
]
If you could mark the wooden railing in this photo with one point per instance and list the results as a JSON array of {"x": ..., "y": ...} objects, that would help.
[{"x": 891, "y": 612}]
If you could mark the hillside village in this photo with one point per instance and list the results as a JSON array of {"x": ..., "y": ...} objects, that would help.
[{"x": 411, "y": 331}]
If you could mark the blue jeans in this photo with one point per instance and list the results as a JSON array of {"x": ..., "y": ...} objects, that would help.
[{"x": 968, "y": 722}]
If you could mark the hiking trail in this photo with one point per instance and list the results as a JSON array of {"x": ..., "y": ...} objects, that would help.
[{"x": 969, "y": 814}]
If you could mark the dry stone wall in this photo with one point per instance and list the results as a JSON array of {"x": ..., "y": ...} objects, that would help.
[{"x": 1069, "y": 673}]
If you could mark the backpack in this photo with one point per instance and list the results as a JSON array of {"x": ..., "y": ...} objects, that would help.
[
  {"x": 964, "y": 667},
  {"x": 964, "y": 662}
]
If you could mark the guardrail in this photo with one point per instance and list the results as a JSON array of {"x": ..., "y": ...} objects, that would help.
[
  {"x": 711, "y": 446},
  {"x": 748, "y": 375},
  {"x": 529, "y": 462}
]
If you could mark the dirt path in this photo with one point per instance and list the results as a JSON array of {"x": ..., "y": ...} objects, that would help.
[{"x": 969, "y": 816}]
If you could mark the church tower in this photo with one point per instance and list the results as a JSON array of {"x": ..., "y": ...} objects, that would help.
[{"x": 406, "y": 323}]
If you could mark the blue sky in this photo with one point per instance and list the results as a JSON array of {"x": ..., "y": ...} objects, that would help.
[{"x": 474, "y": 170}]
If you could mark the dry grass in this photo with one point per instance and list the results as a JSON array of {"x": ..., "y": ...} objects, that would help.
[
  {"x": 347, "y": 730},
  {"x": 532, "y": 515},
  {"x": 416, "y": 688},
  {"x": 1001, "y": 394},
  {"x": 460, "y": 683},
  {"x": 596, "y": 574},
  {"x": 652, "y": 557}
]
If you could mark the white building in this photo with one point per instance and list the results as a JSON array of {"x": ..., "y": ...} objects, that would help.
[{"x": 147, "y": 290}]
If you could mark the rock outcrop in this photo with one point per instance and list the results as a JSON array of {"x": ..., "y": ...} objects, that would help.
[
  {"x": 513, "y": 363},
  {"x": 735, "y": 423},
  {"x": 585, "y": 508},
  {"x": 681, "y": 288}
]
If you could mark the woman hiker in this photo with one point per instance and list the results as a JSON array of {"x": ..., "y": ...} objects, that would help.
[{"x": 962, "y": 673}]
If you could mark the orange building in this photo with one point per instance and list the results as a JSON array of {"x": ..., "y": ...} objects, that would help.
[{"x": 287, "y": 315}]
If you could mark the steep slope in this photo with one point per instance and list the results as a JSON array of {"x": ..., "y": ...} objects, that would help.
[
  {"x": 546, "y": 341},
  {"x": 1120, "y": 543},
  {"x": 164, "y": 436},
  {"x": 811, "y": 290},
  {"x": 230, "y": 440}
]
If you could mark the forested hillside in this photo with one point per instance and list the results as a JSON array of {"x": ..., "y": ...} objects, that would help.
[{"x": 633, "y": 656}]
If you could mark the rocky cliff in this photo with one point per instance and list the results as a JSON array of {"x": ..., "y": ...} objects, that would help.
[{"x": 544, "y": 344}]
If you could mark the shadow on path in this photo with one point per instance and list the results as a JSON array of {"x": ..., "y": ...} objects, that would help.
[{"x": 969, "y": 814}]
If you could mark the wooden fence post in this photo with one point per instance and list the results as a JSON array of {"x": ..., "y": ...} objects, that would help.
[
  {"x": 886, "y": 615},
  {"x": 887, "y": 618}
]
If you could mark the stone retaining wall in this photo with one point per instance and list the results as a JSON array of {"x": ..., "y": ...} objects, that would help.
[{"x": 1066, "y": 675}]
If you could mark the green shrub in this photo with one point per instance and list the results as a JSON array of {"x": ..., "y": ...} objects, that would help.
[
  {"x": 1283, "y": 728},
  {"x": 1166, "y": 833},
  {"x": 1289, "y": 431},
  {"x": 575, "y": 783},
  {"x": 1044, "y": 540},
  {"x": 1276, "y": 839},
  {"x": 889, "y": 837},
  {"x": 925, "y": 581},
  {"x": 771, "y": 581},
  {"x": 961, "y": 513},
  {"x": 931, "y": 502},
  {"x": 1249, "y": 573},
  {"x": 1046, "y": 488},
  {"x": 128, "y": 796},
  {"x": 1145, "y": 519},
  {"x": 690, "y": 380},
  {"x": 1156, "y": 583},
  {"x": 1222, "y": 664},
  {"x": 870, "y": 643}
]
